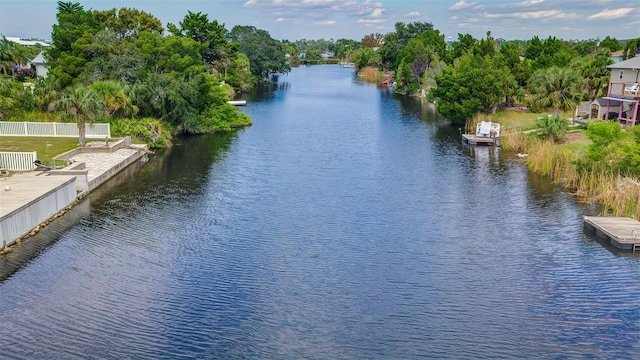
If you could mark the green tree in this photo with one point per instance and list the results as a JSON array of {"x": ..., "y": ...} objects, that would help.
[
  {"x": 127, "y": 22},
  {"x": 239, "y": 74},
  {"x": 463, "y": 45},
  {"x": 610, "y": 43},
  {"x": 520, "y": 68},
  {"x": 216, "y": 51},
  {"x": 364, "y": 56},
  {"x": 554, "y": 88},
  {"x": 265, "y": 54},
  {"x": 395, "y": 41},
  {"x": 631, "y": 48},
  {"x": 344, "y": 47},
  {"x": 82, "y": 105},
  {"x": 594, "y": 75},
  {"x": 114, "y": 59},
  {"x": 71, "y": 36},
  {"x": 474, "y": 84}
]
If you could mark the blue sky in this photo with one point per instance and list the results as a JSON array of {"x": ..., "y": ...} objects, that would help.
[{"x": 315, "y": 19}]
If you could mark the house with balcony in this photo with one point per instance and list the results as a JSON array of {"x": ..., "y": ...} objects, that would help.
[{"x": 621, "y": 102}]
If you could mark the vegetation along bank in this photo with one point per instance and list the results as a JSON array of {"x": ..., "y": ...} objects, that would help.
[{"x": 152, "y": 82}]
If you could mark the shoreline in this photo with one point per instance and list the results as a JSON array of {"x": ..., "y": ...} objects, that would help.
[{"x": 33, "y": 199}]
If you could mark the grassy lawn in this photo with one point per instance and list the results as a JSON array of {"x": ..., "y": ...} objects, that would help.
[
  {"x": 46, "y": 147},
  {"x": 526, "y": 120}
]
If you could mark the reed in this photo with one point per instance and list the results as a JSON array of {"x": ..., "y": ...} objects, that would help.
[
  {"x": 618, "y": 195},
  {"x": 371, "y": 75},
  {"x": 514, "y": 140},
  {"x": 554, "y": 161}
]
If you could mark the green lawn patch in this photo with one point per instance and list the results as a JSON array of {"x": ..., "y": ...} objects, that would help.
[
  {"x": 523, "y": 120},
  {"x": 46, "y": 147}
]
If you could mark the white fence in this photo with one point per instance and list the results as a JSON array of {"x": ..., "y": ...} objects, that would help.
[
  {"x": 18, "y": 161},
  {"x": 96, "y": 131}
]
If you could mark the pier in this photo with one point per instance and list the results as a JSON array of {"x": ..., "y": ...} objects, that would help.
[
  {"x": 487, "y": 133},
  {"x": 621, "y": 232},
  {"x": 31, "y": 198},
  {"x": 481, "y": 140}
]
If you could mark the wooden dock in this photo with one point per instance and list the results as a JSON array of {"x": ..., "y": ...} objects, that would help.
[
  {"x": 481, "y": 140},
  {"x": 621, "y": 232}
]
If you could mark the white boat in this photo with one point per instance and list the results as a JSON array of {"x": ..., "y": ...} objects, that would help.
[{"x": 237, "y": 102}]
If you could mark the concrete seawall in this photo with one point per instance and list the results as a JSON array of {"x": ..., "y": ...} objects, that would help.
[{"x": 32, "y": 198}]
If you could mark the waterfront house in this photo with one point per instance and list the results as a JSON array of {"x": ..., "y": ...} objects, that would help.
[{"x": 624, "y": 91}]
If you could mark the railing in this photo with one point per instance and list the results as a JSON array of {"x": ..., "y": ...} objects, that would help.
[
  {"x": 18, "y": 161},
  {"x": 96, "y": 131},
  {"x": 624, "y": 89}
]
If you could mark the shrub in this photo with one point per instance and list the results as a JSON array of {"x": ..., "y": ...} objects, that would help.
[{"x": 553, "y": 128}]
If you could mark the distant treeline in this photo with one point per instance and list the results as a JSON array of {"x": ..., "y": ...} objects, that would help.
[{"x": 142, "y": 76}]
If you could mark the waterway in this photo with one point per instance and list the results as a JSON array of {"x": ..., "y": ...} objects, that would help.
[{"x": 346, "y": 223}]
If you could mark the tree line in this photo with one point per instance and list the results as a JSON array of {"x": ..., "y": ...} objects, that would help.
[
  {"x": 124, "y": 66},
  {"x": 120, "y": 65},
  {"x": 467, "y": 76}
]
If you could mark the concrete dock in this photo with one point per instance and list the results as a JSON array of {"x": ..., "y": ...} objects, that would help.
[
  {"x": 621, "y": 232},
  {"x": 30, "y": 198}
]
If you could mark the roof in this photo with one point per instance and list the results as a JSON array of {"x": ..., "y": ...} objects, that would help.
[
  {"x": 39, "y": 59},
  {"x": 613, "y": 101},
  {"x": 603, "y": 101},
  {"x": 17, "y": 40},
  {"x": 633, "y": 63}
]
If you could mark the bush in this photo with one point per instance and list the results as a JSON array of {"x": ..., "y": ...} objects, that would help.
[
  {"x": 553, "y": 128},
  {"x": 146, "y": 130}
]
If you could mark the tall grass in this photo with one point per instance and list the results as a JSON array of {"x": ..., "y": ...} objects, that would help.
[
  {"x": 372, "y": 75},
  {"x": 619, "y": 195},
  {"x": 515, "y": 140}
]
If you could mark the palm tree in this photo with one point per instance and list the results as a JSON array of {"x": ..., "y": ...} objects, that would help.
[
  {"x": 47, "y": 92},
  {"x": 68, "y": 7},
  {"x": 555, "y": 88},
  {"x": 80, "y": 104},
  {"x": 594, "y": 73},
  {"x": 113, "y": 97}
]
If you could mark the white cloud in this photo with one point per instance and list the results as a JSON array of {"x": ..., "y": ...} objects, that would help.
[
  {"x": 250, "y": 3},
  {"x": 542, "y": 14},
  {"x": 462, "y": 4},
  {"x": 377, "y": 12},
  {"x": 413, "y": 14},
  {"x": 327, "y": 22},
  {"x": 611, "y": 14},
  {"x": 280, "y": 19},
  {"x": 370, "y": 21},
  {"x": 526, "y": 3}
]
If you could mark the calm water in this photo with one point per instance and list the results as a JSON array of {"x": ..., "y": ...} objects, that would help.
[{"x": 345, "y": 223}]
